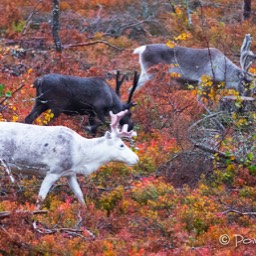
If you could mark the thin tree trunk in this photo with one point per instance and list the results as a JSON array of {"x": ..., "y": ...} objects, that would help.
[
  {"x": 247, "y": 9},
  {"x": 56, "y": 26},
  {"x": 188, "y": 12}
]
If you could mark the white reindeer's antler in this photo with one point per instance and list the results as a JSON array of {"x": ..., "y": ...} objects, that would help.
[{"x": 115, "y": 118}]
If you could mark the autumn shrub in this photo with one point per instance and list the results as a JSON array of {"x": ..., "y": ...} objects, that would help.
[
  {"x": 10, "y": 17},
  {"x": 152, "y": 192},
  {"x": 198, "y": 212},
  {"x": 239, "y": 148},
  {"x": 153, "y": 152},
  {"x": 121, "y": 174},
  {"x": 122, "y": 42},
  {"x": 167, "y": 107},
  {"x": 109, "y": 200}
]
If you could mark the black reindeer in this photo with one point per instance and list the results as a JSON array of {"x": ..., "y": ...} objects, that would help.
[{"x": 74, "y": 95}]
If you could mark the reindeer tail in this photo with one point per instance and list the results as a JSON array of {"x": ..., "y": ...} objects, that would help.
[{"x": 140, "y": 49}]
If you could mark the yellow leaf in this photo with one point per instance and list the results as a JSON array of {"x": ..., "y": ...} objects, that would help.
[
  {"x": 194, "y": 92},
  {"x": 232, "y": 158},
  {"x": 178, "y": 10},
  {"x": 170, "y": 44}
]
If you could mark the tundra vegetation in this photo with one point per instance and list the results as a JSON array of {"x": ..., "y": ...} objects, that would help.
[{"x": 196, "y": 176}]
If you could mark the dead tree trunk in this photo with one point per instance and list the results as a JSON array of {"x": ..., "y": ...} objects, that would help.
[
  {"x": 237, "y": 104},
  {"x": 56, "y": 26}
]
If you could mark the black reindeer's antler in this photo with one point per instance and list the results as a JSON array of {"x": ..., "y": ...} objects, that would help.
[
  {"x": 134, "y": 86},
  {"x": 119, "y": 82}
]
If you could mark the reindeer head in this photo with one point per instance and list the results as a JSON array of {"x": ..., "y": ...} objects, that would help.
[{"x": 117, "y": 149}]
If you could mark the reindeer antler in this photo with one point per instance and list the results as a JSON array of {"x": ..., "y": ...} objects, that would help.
[
  {"x": 115, "y": 118},
  {"x": 247, "y": 57},
  {"x": 134, "y": 86},
  {"x": 119, "y": 82}
]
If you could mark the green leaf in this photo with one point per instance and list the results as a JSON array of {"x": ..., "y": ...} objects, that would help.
[
  {"x": 252, "y": 169},
  {"x": 1, "y": 89},
  {"x": 250, "y": 156},
  {"x": 238, "y": 104},
  {"x": 228, "y": 154},
  {"x": 8, "y": 94}
]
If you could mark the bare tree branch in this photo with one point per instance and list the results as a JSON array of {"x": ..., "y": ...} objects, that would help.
[
  {"x": 214, "y": 151},
  {"x": 28, "y": 21},
  {"x": 91, "y": 43}
]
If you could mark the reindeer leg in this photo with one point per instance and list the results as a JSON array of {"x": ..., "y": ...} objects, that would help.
[
  {"x": 93, "y": 125},
  {"x": 7, "y": 169},
  {"x": 37, "y": 110},
  {"x": 73, "y": 184},
  {"x": 47, "y": 183},
  {"x": 101, "y": 117}
]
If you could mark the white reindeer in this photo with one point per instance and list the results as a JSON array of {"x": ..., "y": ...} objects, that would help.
[
  {"x": 57, "y": 151},
  {"x": 193, "y": 63}
]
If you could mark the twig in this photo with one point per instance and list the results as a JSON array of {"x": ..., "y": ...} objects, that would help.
[
  {"x": 123, "y": 27},
  {"x": 200, "y": 121},
  {"x": 8, "y": 213},
  {"x": 69, "y": 231},
  {"x": 91, "y": 43},
  {"x": 19, "y": 88},
  {"x": 220, "y": 154},
  {"x": 231, "y": 209},
  {"x": 205, "y": 147},
  {"x": 239, "y": 212},
  {"x": 219, "y": 124},
  {"x": 203, "y": 119},
  {"x": 28, "y": 21}
]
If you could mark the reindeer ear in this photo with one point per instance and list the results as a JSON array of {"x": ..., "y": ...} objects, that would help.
[{"x": 108, "y": 135}]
